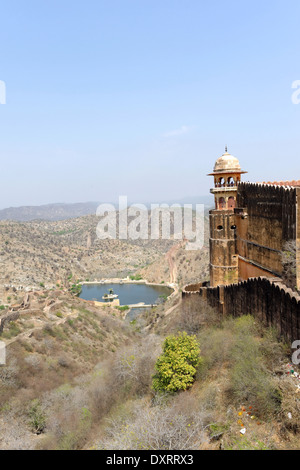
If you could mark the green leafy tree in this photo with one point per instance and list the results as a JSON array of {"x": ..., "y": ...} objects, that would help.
[{"x": 176, "y": 367}]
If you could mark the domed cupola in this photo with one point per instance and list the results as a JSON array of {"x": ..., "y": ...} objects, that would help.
[{"x": 227, "y": 174}]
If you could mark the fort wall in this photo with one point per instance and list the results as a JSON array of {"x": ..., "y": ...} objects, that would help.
[
  {"x": 266, "y": 217},
  {"x": 246, "y": 245},
  {"x": 298, "y": 240},
  {"x": 265, "y": 298}
]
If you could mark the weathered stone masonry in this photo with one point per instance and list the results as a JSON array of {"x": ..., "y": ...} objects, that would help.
[
  {"x": 267, "y": 216},
  {"x": 267, "y": 299}
]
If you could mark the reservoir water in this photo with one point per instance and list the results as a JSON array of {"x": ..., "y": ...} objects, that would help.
[{"x": 128, "y": 293}]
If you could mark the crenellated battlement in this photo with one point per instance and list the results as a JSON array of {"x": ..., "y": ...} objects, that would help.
[{"x": 266, "y": 298}]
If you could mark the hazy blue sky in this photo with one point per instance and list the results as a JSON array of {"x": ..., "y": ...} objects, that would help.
[{"x": 139, "y": 97}]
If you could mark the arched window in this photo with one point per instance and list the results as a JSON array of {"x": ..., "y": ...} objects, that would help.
[
  {"x": 231, "y": 202},
  {"x": 230, "y": 181},
  {"x": 222, "y": 203}
]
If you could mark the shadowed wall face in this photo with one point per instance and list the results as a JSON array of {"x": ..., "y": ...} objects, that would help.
[
  {"x": 266, "y": 218},
  {"x": 265, "y": 298}
]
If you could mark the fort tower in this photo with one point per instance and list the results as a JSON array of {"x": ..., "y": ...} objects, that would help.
[{"x": 223, "y": 255}]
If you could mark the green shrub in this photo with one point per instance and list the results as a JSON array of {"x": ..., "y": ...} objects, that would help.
[
  {"x": 74, "y": 439},
  {"x": 176, "y": 367},
  {"x": 12, "y": 331},
  {"x": 250, "y": 379},
  {"x": 123, "y": 308},
  {"x": 76, "y": 289},
  {"x": 137, "y": 277},
  {"x": 37, "y": 418},
  {"x": 243, "y": 443}
]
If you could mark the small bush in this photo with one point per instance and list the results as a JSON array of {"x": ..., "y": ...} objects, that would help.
[
  {"x": 159, "y": 426},
  {"x": 216, "y": 347},
  {"x": 137, "y": 277},
  {"x": 290, "y": 406},
  {"x": 37, "y": 418},
  {"x": 243, "y": 443},
  {"x": 176, "y": 368},
  {"x": 250, "y": 379},
  {"x": 123, "y": 308},
  {"x": 194, "y": 314},
  {"x": 12, "y": 331}
]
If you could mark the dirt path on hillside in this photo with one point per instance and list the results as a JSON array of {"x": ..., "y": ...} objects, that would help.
[{"x": 171, "y": 261}]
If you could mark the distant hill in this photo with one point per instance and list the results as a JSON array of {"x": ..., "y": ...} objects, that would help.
[
  {"x": 62, "y": 211},
  {"x": 50, "y": 212}
]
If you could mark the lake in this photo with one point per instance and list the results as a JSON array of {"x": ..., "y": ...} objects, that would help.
[{"x": 128, "y": 293}]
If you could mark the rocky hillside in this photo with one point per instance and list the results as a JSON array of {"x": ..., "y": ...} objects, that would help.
[{"x": 50, "y": 254}]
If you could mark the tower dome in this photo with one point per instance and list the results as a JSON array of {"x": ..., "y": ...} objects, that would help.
[{"x": 227, "y": 162}]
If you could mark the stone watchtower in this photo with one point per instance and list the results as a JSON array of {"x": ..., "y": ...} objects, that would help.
[{"x": 223, "y": 257}]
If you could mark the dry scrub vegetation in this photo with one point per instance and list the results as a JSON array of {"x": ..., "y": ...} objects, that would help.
[
  {"x": 87, "y": 382},
  {"x": 81, "y": 377}
]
